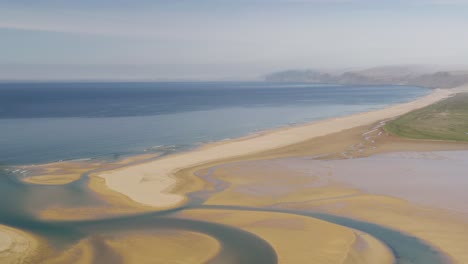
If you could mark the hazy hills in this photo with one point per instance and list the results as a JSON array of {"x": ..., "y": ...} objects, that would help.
[{"x": 425, "y": 76}]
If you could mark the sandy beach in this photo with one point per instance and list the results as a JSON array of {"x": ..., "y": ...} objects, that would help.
[{"x": 152, "y": 183}]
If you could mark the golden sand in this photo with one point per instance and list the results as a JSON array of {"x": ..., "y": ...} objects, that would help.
[
  {"x": 115, "y": 203},
  {"x": 270, "y": 183},
  {"x": 165, "y": 247},
  {"x": 58, "y": 173},
  {"x": 368, "y": 250},
  {"x": 445, "y": 231},
  {"x": 81, "y": 253},
  {"x": 17, "y": 246},
  {"x": 149, "y": 247},
  {"x": 299, "y": 239},
  {"x": 64, "y": 172}
]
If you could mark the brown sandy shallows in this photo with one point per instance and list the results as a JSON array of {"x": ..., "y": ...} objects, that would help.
[
  {"x": 58, "y": 173},
  {"x": 299, "y": 239},
  {"x": 17, "y": 246},
  {"x": 314, "y": 185},
  {"x": 113, "y": 203},
  {"x": 166, "y": 247},
  {"x": 152, "y": 183},
  {"x": 64, "y": 172},
  {"x": 151, "y": 247}
]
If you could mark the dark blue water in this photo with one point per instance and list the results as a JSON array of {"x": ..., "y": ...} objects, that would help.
[{"x": 43, "y": 122}]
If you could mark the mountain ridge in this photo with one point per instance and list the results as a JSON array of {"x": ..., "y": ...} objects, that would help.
[{"x": 385, "y": 75}]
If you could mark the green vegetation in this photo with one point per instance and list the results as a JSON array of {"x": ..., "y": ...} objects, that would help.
[{"x": 445, "y": 120}]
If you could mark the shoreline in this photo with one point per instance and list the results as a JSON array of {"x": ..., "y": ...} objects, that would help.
[{"x": 153, "y": 183}]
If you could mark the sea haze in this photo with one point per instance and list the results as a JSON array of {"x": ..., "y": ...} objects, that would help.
[{"x": 44, "y": 122}]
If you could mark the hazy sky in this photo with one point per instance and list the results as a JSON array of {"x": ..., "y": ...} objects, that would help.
[{"x": 223, "y": 39}]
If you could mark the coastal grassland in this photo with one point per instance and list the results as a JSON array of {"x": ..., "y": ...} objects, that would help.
[
  {"x": 445, "y": 120},
  {"x": 299, "y": 239}
]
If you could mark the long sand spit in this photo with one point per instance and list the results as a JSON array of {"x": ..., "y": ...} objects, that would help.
[{"x": 151, "y": 183}]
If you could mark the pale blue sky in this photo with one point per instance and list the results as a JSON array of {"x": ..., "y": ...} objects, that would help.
[{"x": 221, "y": 39}]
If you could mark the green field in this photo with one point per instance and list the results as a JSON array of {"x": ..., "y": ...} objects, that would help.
[{"x": 445, "y": 120}]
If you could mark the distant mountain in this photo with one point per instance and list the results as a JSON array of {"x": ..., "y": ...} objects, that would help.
[{"x": 391, "y": 75}]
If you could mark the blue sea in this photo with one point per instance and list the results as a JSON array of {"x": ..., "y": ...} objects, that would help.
[{"x": 45, "y": 122}]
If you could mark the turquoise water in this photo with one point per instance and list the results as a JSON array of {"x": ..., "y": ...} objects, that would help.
[{"x": 44, "y": 122}]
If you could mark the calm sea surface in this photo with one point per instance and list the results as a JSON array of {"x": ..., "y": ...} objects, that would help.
[{"x": 43, "y": 122}]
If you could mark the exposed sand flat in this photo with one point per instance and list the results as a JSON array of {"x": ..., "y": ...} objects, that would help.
[
  {"x": 340, "y": 187},
  {"x": 367, "y": 249},
  {"x": 151, "y": 183},
  {"x": 64, "y": 172},
  {"x": 436, "y": 179},
  {"x": 150, "y": 247},
  {"x": 15, "y": 246},
  {"x": 172, "y": 247},
  {"x": 300, "y": 239}
]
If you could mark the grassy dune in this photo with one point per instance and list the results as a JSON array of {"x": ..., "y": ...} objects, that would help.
[{"x": 445, "y": 120}]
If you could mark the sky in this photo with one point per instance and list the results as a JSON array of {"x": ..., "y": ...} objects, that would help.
[{"x": 223, "y": 39}]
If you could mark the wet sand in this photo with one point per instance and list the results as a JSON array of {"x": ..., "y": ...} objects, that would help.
[
  {"x": 437, "y": 179},
  {"x": 17, "y": 246},
  {"x": 300, "y": 239},
  {"x": 65, "y": 172},
  {"x": 136, "y": 247},
  {"x": 363, "y": 188}
]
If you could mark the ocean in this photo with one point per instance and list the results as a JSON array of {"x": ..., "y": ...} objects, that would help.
[{"x": 46, "y": 122}]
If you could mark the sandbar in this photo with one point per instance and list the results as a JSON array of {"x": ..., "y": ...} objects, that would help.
[
  {"x": 16, "y": 246},
  {"x": 300, "y": 239}
]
